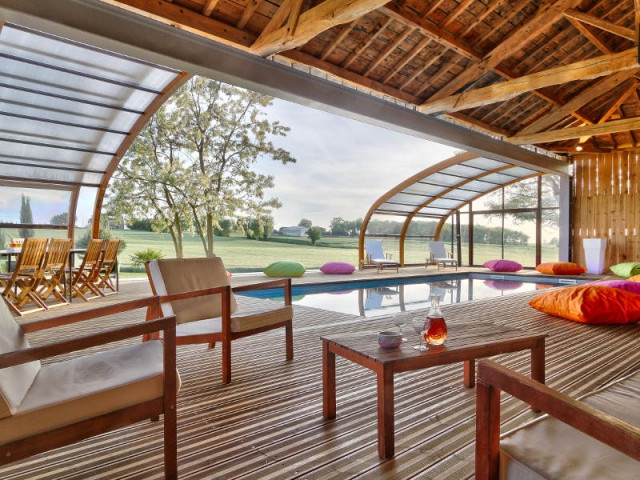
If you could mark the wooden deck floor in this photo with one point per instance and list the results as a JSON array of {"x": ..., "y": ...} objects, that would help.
[{"x": 267, "y": 424}]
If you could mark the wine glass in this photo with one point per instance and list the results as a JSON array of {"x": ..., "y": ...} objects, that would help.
[
  {"x": 423, "y": 345},
  {"x": 400, "y": 320},
  {"x": 417, "y": 321}
]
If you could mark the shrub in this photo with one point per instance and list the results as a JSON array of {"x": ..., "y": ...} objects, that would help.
[
  {"x": 139, "y": 258},
  {"x": 314, "y": 234}
]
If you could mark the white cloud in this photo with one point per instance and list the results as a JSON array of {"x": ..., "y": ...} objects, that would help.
[{"x": 342, "y": 166}]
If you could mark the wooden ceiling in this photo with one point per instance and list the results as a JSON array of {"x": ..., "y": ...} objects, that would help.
[{"x": 561, "y": 75}]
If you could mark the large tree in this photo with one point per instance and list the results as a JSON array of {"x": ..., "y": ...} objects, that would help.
[
  {"x": 192, "y": 165},
  {"x": 524, "y": 195}
]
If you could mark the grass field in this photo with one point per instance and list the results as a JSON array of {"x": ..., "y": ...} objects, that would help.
[{"x": 240, "y": 254}]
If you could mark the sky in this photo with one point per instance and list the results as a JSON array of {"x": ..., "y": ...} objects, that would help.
[{"x": 343, "y": 165}]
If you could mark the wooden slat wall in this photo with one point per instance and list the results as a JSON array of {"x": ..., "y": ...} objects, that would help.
[{"x": 605, "y": 205}]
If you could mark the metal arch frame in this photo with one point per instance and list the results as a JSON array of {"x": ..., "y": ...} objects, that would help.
[{"x": 460, "y": 158}]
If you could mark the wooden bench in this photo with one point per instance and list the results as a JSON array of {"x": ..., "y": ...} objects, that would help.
[{"x": 597, "y": 436}]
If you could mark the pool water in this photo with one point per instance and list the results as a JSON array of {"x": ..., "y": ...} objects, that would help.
[{"x": 383, "y": 297}]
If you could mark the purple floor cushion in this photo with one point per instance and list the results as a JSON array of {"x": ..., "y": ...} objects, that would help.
[{"x": 337, "y": 268}]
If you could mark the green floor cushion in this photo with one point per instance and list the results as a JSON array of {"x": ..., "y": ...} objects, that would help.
[
  {"x": 626, "y": 269},
  {"x": 285, "y": 268}
]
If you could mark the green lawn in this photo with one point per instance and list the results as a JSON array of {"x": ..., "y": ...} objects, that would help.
[{"x": 240, "y": 254}]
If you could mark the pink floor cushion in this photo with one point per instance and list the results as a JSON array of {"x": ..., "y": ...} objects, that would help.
[
  {"x": 502, "y": 284},
  {"x": 337, "y": 268},
  {"x": 622, "y": 284},
  {"x": 503, "y": 265}
]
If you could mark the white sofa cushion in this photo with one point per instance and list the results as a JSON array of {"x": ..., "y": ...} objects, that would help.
[
  {"x": 179, "y": 275},
  {"x": 14, "y": 381},
  {"x": 549, "y": 449},
  {"x": 66, "y": 392},
  {"x": 243, "y": 320}
]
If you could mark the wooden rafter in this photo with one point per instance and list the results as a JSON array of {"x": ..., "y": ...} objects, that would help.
[
  {"x": 583, "y": 70},
  {"x": 209, "y": 6},
  {"x": 577, "y": 132},
  {"x": 615, "y": 106},
  {"x": 415, "y": 51},
  {"x": 248, "y": 12},
  {"x": 190, "y": 21},
  {"x": 372, "y": 38},
  {"x": 462, "y": 6},
  {"x": 602, "y": 24},
  {"x": 598, "y": 89},
  {"x": 326, "y": 15},
  {"x": 589, "y": 35},
  {"x": 388, "y": 51},
  {"x": 350, "y": 77},
  {"x": 344, "y": 31},
  {"x": 548, "y": 14}
]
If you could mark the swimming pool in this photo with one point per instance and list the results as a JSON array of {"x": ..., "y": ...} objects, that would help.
[{"x": 370, "y": 298}]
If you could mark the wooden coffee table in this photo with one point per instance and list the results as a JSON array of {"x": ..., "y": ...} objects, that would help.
[{"x": 465, "y": 343}]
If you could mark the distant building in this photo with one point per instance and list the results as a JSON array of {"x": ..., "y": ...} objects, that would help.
[{"x": 294, "y": 231}]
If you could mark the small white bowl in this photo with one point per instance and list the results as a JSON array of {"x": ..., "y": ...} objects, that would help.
[{"x": 389, "y": 339}]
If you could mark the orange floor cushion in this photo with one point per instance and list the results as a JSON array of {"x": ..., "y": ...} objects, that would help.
[
  {"x": 590, "y": 304},
  {"x": 561, "y": 268}
]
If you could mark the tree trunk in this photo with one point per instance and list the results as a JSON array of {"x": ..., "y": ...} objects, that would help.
[{"x": 210, "y": 235}]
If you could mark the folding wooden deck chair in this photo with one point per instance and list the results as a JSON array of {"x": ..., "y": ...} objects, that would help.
[
  {"x": 46, "y": 406},
  {"x": 197, "y": 291},
  {"x": 439, "y": 256},
  {"x": 107, "y": 264},
  {"x": 19, "y": 286},
  {"x": 54, "y": 269},
  {"x": 375, "y": 256},
  {"x": 84, "y": 276}
]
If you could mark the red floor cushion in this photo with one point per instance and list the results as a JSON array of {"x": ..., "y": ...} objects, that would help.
[
  {"x": 590, "y": 304},
  {"x": 561, "y": 268},
  {"x": 337, "y": 268}
]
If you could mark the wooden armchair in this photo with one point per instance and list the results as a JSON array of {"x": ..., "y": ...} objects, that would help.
[
  {"x": 593, "y": 437},
  {"x": 19, "y": 286},
  {"x": 197, "y": 291},
  {"x": 47, "y": 406}
]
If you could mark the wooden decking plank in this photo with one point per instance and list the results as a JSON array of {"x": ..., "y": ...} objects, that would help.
[{"x": 267, "y": 424}]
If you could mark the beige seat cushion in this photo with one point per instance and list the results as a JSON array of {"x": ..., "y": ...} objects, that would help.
[
  {"x": 241, "y": 321},
  {"x": 179, "y": 275},
  {"x": 548, "y": 448},
  {"x": 70, "y": 391},
  {"x": 14, "y": 381}
]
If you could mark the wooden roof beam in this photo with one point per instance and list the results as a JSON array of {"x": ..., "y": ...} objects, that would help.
[
  {"x": 614, "y": 126},
  {"x": 558, "y": 113},
  {"x": 589, "y": 35},
  {"x": 208, "y": 7},
  {"x": 615, "y": 106},
  {"x": 316, "y": 20},
  {"x": 372, "y": 38},
  {"x": 548, "y": 13},
  {"x": 586, "y": 69},
  {"x": 602, "y": 24}
]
